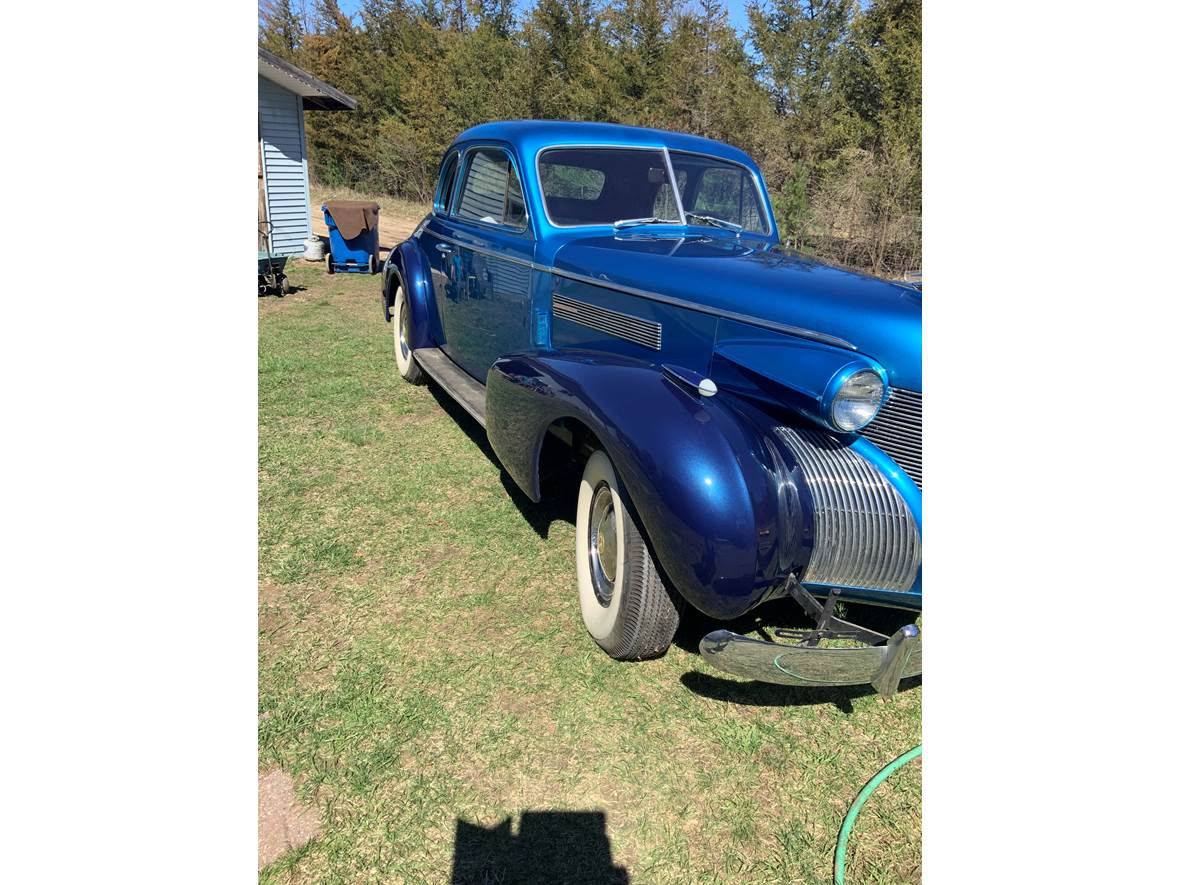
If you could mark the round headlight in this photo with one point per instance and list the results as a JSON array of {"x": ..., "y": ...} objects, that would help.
[{"x": 857, "y": 401}]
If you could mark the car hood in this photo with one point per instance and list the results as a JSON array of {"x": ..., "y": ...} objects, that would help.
[{"x": 879, "y": 319}]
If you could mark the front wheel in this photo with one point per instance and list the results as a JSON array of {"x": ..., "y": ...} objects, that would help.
[{"x": 625, "y": 605}]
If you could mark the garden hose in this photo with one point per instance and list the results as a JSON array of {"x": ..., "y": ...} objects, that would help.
[{"x": 861, "y": 798}]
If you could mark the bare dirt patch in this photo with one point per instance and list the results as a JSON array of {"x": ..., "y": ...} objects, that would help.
[{"x": 283, "y": 822}]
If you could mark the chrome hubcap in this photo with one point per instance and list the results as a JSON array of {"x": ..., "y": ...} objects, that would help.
[
  {"x": 403, "y": 336},
  {"x": 604, "y": 549}
]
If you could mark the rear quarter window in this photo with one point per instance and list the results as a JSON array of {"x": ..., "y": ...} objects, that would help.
[{"x": 491, "y": 191}]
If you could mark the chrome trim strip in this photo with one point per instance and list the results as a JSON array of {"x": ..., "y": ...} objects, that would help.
[
  {"x": 675, "y": 187},
  {"x": 491, "y": 253},
  {"x": 701, "y": 308},
  {"x": 612, "y": 322},
  {"x": 865, "y": 534},
  {"x": 670, "y": 300}
]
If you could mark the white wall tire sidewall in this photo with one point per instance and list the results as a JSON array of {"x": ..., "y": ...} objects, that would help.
[
  {"x": 405, "y": 365},
  {"x": 599, "y": 620}
]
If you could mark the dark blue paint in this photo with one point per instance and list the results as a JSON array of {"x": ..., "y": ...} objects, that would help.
[
  {"x": 698, "y": 470},
  {"x": 407, "y": 266}
]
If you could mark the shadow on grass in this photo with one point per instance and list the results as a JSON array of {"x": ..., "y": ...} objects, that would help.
[
  {"x": 763, "y": 621},
  {"x": 768, "y": 694},
  {"x": 550, "y": 847},
  {"x": 559, "y": 496},
  {"x": 291, "y": 291}
]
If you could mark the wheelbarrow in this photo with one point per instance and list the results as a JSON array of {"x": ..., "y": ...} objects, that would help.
[{"x": 272, "y": 280}]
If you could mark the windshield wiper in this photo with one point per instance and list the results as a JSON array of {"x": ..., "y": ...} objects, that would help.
[
  {"x": 634, "y": 222},
  {"x": 716, "y": 222}
]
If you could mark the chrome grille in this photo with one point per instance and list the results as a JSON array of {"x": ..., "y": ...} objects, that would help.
[
  {"x": 865, "y": 535},
  {"x": 621, "y": 325},
  {"x": 897, "y": 431}
]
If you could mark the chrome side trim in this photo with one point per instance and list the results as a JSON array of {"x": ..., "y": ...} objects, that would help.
[
  {"x": 491, "y": 253},
  {"x": 700, "y": 308},
  {"x": 897, "y": 431},
  {"x": 865, "y": 535},
  {"x": 612, "y": 322},
  {"x": 670, "y": 300}
]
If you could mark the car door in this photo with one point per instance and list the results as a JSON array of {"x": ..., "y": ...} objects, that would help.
[
  {"x": 441, "y": 254},
  {"x": 483, "y": 248}
]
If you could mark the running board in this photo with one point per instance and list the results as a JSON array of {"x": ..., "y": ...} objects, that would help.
[{"x": 461, "y": 387}]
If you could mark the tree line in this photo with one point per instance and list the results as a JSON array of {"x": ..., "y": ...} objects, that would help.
[{"x": 824, "y": 94}]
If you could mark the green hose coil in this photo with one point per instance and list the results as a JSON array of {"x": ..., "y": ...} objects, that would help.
[{"x": 861, "y": 798}]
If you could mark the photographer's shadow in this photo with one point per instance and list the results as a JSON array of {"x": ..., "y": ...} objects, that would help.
[{"x": 550, "y": 847}]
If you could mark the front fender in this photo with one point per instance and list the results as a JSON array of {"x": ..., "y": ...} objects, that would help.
[
  {"x": 711, "y": 493},
  {"x": 408, "y": 267}
]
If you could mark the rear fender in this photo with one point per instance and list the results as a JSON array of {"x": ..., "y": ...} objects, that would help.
[
  {"x": 702, "y": 479},
  {"x": 408, "y": 267}
]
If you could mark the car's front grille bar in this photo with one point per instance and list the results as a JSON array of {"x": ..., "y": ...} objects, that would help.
[
  {"x": 865, "y": 535},
  {"x": 897, "y": 431}
]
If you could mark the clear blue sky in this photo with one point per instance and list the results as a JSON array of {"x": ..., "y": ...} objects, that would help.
[{"x": 737, "y": 10}]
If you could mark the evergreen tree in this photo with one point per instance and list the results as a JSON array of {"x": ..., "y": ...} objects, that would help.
[
  {"x": 280, "y": 28},
  {"x": 827, "y": 99}
]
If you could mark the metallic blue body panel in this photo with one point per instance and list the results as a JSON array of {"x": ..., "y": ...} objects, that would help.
[
  {"x": 407, "y": 266},
  {"x": 780, "y": 369},
  {"x": 719, "y": 271},
  {"x": 703, "y": 485},
  {"x": 773, "y": 329},
  {"x": 483, "y": 276}
]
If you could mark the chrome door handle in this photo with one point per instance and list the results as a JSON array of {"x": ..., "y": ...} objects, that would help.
[{"x": 445, "y": 248}]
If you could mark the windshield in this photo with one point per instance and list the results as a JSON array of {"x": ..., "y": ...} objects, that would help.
[
  {"x": 718, "y": 193},
  {"x": 606, "y": 186},
  {"x": 627, "y": 187}
]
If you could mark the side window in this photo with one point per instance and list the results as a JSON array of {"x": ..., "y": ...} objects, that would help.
[
  {"x": 446, "y": 181},
  {"x": 491, "y": 191}
]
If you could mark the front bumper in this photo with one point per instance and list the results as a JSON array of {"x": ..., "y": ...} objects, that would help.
[{"x": 882, "y": 666}]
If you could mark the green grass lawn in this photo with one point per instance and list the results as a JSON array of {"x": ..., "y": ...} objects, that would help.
[{"x": 423, "y": 669}]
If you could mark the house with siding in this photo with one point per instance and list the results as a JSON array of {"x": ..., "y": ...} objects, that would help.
[{"x": 284, "y": 93}]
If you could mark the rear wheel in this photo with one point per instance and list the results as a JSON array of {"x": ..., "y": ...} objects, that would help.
[
  {"x": 407, "y": 367},
  {"x": 331, "y": 267},
  {"x": 625, "y": 605}
]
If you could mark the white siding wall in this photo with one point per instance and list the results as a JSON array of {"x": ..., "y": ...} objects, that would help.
[{"x": 284, "y": 165}]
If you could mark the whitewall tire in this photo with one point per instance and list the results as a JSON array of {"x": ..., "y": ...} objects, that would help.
[
  {"x": 625, "y": 606},
  {"x": 406, "y": 366}
]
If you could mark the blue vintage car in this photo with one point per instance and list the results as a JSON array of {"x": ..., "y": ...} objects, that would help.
[{"x": 748, "y": 420}]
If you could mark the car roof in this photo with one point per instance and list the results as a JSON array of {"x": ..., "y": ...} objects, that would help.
[{"x": 531, "y": 136}]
